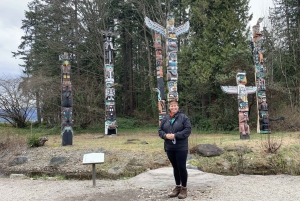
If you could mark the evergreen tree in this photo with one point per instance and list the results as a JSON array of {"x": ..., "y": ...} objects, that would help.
[
  {"x": 216, "y": 50},
  {"x": 283, "y": 49}
]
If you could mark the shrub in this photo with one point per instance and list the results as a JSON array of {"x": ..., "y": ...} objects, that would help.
[
  {"x": 33, "y": 140},
  {"x": 128, "y": 123},
  {"x": 270, "y": 144},
  {"x": 291, "y": 121}
]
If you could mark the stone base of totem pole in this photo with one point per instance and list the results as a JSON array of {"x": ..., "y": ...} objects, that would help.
[
  {"x": 111, "y": 131},
  {"x": 247, "y": 136},
  {"x": 67, "y": 138}
]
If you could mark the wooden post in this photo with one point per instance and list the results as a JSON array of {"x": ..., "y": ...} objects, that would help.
[
  {"x": 161, "y": 101},
  {"x": 242, "y": 92},
  {"x": 261, "y": 98},
  {"x": 110, "y": 104},
  {"x": 66, "y": 101},
  {"x": 170, "y": 33}
]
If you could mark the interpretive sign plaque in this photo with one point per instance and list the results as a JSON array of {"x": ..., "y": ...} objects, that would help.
[{"x": 93, "y": 158}]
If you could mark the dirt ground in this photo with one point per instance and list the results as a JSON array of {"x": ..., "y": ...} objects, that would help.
[
  {"x": 155, "y": 185},
  {"x": 151, "y": 185}
]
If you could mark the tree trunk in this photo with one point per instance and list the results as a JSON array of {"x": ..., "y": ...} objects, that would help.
[
  {"x": 125, "y": 81},
  {"x": 38, "y": 108},
  {"x": 76, "y": 39},
  {"x": 298, "y": 45},
  {"x": 205, "y": 103},
  {"x": 151, "y": 79},
  {"x": 130, "y": 57}
]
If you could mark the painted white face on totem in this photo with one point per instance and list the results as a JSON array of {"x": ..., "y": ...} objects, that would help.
[
  {"x": 173, "y": 107},
  {"x": 241, "y": 78}
]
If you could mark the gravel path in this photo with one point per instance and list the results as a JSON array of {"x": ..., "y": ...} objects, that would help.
[{"x": 154, "y": 185}]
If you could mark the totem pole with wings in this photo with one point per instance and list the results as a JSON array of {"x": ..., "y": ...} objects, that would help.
[
  {"x": 170, "y": 33},
  {"x": 242, "y": 92}
]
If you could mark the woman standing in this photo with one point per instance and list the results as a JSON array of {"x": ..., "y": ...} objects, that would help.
[{"x": 175, "y": 129}]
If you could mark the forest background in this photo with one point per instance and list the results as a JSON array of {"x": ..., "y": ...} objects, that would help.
[{"x": 219, "y": 43}]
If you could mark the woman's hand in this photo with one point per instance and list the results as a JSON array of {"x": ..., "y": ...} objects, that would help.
[{"x": 170, "y": 136}]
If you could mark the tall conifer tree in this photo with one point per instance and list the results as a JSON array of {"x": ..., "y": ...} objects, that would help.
[{"x": 217, "y": 49}]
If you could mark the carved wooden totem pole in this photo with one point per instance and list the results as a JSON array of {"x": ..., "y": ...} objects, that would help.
[
  {"x": 262, "y": 106},
  {"x": 170, "y": 33},
  {"x": 110, "y": 105},
  {"x": 242, "y": 92},
  {"x": 67, "y": 103},
  {"x": 160, "y": 77}
]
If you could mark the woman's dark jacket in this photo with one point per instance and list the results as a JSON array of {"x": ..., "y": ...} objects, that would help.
[{"x": 181, "y": 127}]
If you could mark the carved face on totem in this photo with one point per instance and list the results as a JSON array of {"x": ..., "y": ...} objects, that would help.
[
  {"x": 67, "y": 114},
  {"x": 170, "y": 20},
  {"x": 241, "y": 78},
  {"x": 172, "y": 44},
  {"x": 66, "y": 66},
  {"x": 110, "y": 94}
]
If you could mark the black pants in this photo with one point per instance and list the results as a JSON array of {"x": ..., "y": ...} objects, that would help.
[{"x": 178, "y": 161}]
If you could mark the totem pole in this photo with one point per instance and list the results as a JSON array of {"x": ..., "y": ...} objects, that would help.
[
  {"x": 171, "y": 33},
  {"x": 110, "y": 105},
  {"x": 242, "y": 92},
  {"x": 262, "y": 106},
  {"x": 66, "y": 100},
  {"x": 160, "y": 77}
]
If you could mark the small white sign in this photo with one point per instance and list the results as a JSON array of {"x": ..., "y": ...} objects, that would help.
[{"x": 93, "y": 158}]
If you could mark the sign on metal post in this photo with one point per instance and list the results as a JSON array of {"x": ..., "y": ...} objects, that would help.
[{"x": 93, "y": 158}]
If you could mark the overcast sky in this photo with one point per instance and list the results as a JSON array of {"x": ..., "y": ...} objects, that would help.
[{"x": 12, "y": 13}]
